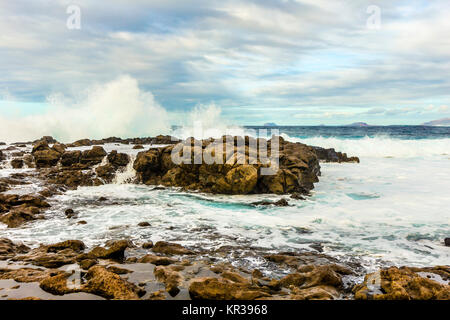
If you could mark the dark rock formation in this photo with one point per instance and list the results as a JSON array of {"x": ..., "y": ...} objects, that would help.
[
  {"x": 240, "y": 172},
  {"x": 330, "y": 155}
]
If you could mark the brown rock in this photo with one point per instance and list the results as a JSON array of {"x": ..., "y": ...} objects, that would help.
[
  {"x": 93, "y": 156},
  {"x": 75, "y": 245},
  {"x": 110, "y": 285},
  {"x": 144, "y": 224},
  {"x": 170, "y": 277},
  {"x": 87, "y": 263},
  {"x": 115, "y": 251},
  {"x": 147, "y": 245},
  {"x": 17, "y": 163},
  {"x": 8, "y": 249},
  {"x": 223, "y": 289},
  {"x": 156, "y": 260},
  {"x": 170, "y": 248},
  {"x": 405, "y": 284}
]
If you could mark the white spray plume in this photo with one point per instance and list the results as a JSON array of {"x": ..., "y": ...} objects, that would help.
[{"x": 118, "y": 108}]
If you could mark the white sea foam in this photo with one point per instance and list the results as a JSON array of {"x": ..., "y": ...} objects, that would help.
[{"x": 381, "y": 146}]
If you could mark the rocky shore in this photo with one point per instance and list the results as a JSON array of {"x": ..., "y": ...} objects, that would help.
[{"x": 122, "y": 269}]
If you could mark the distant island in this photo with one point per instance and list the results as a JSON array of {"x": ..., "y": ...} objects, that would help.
[
  {"x": 357, "y": 124},
  {"x": 439, "y": 122},
  {"x": 270, "y": 124}
]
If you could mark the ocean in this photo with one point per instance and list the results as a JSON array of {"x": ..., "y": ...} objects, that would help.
[{"x": 390, "y": 209}]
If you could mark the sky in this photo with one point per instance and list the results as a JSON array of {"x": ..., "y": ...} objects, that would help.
[{"x": 136, "y": 67}]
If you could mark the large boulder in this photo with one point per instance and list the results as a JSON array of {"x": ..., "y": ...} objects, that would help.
[{"x": 93, "y": 156}]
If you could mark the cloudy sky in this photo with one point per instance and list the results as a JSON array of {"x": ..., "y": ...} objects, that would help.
[{"x": 291, "y": 62}]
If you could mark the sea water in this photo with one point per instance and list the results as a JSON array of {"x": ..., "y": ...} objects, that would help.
[{"x": 390, "y": 209}]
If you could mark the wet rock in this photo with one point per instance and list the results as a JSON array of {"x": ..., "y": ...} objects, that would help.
[
  {"x": 170, "y": 277},
  {"x": 58, "y": 147},
  {"x": 138, "y": 146},
  {"x": 57, "y": 284},
  {"x": 102, "y": 199},
  {"x": 170, "y": 248},
  {"x": 75, "y": 245},
  {"x": 118, "y": 159},
  {"x": 110, "y": 285},
  {"x": 147, "y": 245},
  {"x": 297, "y": 196},
  {"x": 144, "y": 224},
  {"x": 117, "y": 270},
  {"x": 17, "y": 163},
  {"x": 405, "y": 284},
  {"x": 85, "y": 264},
  {"x": 106, "y": 172},
  {"x": 70, "y": 158},
  {"x": 115, "y": 251},
  {"x": 447, "y": 242},
  {"x": 19, "y": 215},
  {"x": 156, "y": 260},
  {"x": 9, "y": 249},
  {"x": 223, "y": 289},
  {"x": 24, "y": 274},
  {"x": 330, "y": 155},
  {"x": 70, "y": 213},
  {"x": 82, "y": 222},
  {"x": 93, "y": 156},
  {"x": 82, "y": 143},
  {"x": 280, "y": 203}
]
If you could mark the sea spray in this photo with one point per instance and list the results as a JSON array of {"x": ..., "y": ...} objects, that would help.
[{"x": 128, "y": 174}]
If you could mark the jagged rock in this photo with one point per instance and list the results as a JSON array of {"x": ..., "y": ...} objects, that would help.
[
  {"x": 117, "y": 270},
  {"x": 405, "y": 284},
  {"x": 147, "y": 245},
  {"x": 93, "y": 156},
  {"x": 330, "y": 155},
  {"x": 170, "y": 277},
  {"x": 19, "y": 215},
  {"x": 115, "y": 251},
  {"x": 144, "y": 224},
  {"x": 70, "y": 158},
  {"x": 110, "y": 285},
  {"x": 58, "y": 147},
  {"x": 106, "y": 172},
  {"x": 138, "y": 146},
  {"x": 447, "y": 242},
  {"x": 46, "y": 158},
  {"x": 118, "y": 159},
  {"x": 24, "y": 274},
  {"x": 9, "y": 249},
  {"x": 156, "y": 260},
  {"x": 170, "y": 248},
  {"x": 240, "y": 171},
  {"x": 82, "y": 143},
  {"x": 17, "y": 163},
  {"x": 280, "y": 203},
  {"x": 223, "y": 289},
  {"x": 85, "y": 264},
  {"x": 75, "y": 245}
]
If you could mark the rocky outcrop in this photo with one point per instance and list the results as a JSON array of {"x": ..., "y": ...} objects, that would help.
[
  {"x": 44, "y": 156},
  {"x": 224, "y": 289},
  {"x": 115, "y": 251},
  {"x": 99, "y": 281},
  {"x": 170, "y": 248},
  {"x": 331, "y": 155},
  {"x": 405, "y": 284},
  {"x": 240, "y": 171},
  {"x": 9, "y": 249},
  {"x": 16, "y": 210}
]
